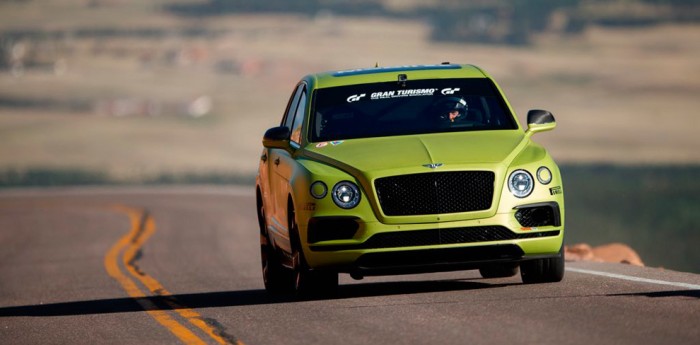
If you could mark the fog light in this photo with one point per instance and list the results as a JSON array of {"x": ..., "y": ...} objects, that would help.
[
  {"x": 319, "y": 190},
  {"x": 544, "y": 175}
]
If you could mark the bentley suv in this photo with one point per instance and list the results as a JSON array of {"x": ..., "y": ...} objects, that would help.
[{"x": 408, "y": 169}]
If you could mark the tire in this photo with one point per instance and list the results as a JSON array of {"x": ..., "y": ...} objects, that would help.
[
  {"x": 499, "y": 270},
  {"x": 276, "y": 278},
  {"x": 549, "y": 270},
  {"x": 308, "y": 283},
  {"x": 313, "y": 284}
]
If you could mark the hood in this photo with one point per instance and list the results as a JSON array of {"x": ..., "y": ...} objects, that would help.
[{"x": 412, "y": 151}]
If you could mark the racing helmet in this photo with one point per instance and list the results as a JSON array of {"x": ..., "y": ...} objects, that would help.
[{"x": 445, "y": 106}]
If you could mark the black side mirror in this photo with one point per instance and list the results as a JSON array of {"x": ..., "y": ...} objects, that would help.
[
  {"x": 539, "y": 121},
  {"x": 277, "y": 137},
  {"x": 539, "y": 117}
]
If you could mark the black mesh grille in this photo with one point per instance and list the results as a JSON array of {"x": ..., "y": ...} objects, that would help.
[
  {"x": 397, "y": 239},
  {"x": 541, "y": 215},
  {"x": 435, "y": 193}
]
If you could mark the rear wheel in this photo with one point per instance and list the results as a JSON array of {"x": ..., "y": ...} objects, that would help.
[
  {"x": 549, "y": 270},
  {"x": 499, "y": 270}
]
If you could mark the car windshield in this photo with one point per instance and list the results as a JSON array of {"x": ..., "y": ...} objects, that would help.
[{"x": 416, "y": 107}]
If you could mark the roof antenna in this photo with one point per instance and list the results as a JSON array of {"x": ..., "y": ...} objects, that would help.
[
  {"x": 376, "y": 64},
  {"x": 402, "y": 80}
]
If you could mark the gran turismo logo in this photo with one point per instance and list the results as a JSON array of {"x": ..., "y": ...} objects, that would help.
[
  {"x": 355, "y": 98},
  {"x": 449, "y": 91}
]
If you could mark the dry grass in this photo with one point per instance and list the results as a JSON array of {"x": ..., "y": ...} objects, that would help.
[{"x": 627, "y": 96}]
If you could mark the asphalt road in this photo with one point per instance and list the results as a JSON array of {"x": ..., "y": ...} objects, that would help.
[{"x": 181, "y": 265}]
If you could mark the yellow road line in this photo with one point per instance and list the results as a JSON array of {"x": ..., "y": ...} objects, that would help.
[{"x": 130, "y": 244}]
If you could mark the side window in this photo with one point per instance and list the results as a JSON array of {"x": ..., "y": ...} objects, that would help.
[
  {"x": 292, "y": 107},
  {"x": 299, "y": 118}
]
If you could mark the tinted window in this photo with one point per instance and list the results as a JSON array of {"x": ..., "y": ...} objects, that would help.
[
  {"x": 298, "y": 119},
  {"x": 421, "y": 106},
  {"x": 292, "y": 107}
]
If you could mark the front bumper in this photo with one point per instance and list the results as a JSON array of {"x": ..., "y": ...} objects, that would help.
[{"x": 376, "y": 248}]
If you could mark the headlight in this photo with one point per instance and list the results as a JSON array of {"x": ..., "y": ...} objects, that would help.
[
  {"x": 520, "y": 183},
  {"x": 319, "y": 190},
  {"x": 544, "y": 175},
  {"x": 346, "y": 194}
]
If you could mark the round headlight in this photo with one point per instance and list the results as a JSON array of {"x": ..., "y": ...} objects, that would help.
[
  {"x": 520, "y": 183},
  {"x": 544, "y": 175},
  {"x": 346, "y": 194},
  {"x": 319, "y": 190}
]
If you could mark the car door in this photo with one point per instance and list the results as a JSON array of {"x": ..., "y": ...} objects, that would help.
[{"x": 279, "y": 166}]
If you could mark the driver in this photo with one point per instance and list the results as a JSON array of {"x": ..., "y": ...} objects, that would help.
[{"x": 451, "y": 109}]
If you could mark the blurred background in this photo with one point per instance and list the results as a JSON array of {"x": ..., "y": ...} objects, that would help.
[{"x": 164, "y": 92}]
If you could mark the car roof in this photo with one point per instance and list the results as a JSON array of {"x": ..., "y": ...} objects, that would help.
[{"x": 387, "y": 74}]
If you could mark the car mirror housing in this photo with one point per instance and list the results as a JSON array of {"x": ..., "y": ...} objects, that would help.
[
  {"x": 276, "y": 138},
  {"x": 540, "y": 121}
]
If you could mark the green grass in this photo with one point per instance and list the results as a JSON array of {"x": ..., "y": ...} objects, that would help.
[
  {"x": 651, "y": 208},
  {"x": 47, "y": 177}
]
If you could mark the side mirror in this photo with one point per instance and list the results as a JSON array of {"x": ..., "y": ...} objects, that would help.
[
  {"x": 276, "y": 138},
  {"x": 540, "y": 121}
]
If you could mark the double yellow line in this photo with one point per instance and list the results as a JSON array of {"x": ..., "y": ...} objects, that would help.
[{"x": 126, "y": 249}]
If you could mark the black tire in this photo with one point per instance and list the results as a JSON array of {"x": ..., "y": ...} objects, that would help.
[
  {"x": 306, "y": 282},
  {"x": 276, "y": 278},
  {"x": 499, "y": 270},
  {"x": 549, "y": 270},
  {"x": 314, "y": 284}
]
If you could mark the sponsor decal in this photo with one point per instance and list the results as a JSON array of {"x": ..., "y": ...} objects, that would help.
[
  {"x": 310, "y": 206},
  {"x": 555, "y": 190},
  {"x": 355, "y": 98},
  {"x": 449, "y": 91},
  {"x": 402, "y": 93},
  {"x": 433, "y": 165},
  {"x": 336, "y": 142},
  {"x": 322, "y": 144}
]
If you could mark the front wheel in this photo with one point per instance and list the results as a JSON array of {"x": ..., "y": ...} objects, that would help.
[
  {"x": 307, "y": 282},
  {"x": 549, "y": 270},
  {"x": 277, "y": 279},
  {"x": 313, "y": 284}
]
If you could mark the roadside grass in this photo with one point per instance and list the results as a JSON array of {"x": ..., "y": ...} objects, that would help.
[
  {"x": 653, "y": 209},
  {"x": 109, "y": 87},
  {"x": 52, "y": 177}
]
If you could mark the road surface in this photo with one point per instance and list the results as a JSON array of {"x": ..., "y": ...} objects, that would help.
[{"x": 175, "y": 265}]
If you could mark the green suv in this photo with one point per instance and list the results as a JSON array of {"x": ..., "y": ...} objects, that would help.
[{"x": 406, "y": 169}]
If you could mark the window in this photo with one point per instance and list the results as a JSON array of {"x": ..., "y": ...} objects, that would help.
[
  {"x": 299, "y": 118},
  {"x": 420, "y": 107},
  {"x": 292, "y": 107}
]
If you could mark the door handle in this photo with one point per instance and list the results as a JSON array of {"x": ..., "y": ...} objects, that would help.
[
  {"x": 277, "y": 161},
  {"x": 264, "y": 157}
]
